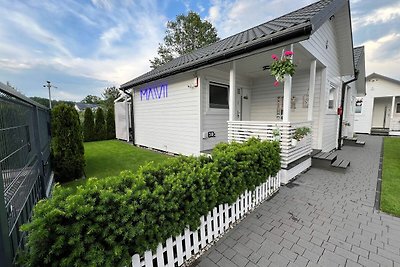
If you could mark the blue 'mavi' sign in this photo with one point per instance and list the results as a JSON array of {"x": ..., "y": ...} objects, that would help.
[{"x": 155, "y": 92}]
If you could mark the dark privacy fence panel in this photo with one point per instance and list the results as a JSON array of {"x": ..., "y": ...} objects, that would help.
[{"x": 25, "y": 167}]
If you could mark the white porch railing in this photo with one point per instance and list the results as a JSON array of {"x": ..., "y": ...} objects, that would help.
[
  {"x": 179, "y": 249},
  {"x": 240, "y": 131}
]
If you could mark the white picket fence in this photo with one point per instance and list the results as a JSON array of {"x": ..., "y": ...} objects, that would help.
[{"x": 176, "y": 250}]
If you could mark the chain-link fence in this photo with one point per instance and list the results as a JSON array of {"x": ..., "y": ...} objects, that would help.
[{"x": 25, "y": 166}]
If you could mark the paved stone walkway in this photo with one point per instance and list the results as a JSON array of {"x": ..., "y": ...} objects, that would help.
[{"x": 323, "y": 218}]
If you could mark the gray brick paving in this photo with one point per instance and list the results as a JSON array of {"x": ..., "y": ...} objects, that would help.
[{"x": 326, "y": 219}]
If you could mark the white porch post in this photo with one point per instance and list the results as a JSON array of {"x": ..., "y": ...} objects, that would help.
[
  {"x": 393, "y": 107},
  {"x": 311, "y": 90},
  {"x": 232, "y": 92},
  {"x": 287, "y": 95}
]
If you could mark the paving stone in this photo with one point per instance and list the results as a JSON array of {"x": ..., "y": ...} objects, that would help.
[
  {"x": 224, "y": 262},
  {"x": 360, "y": 251},
  {"x": 350, "y": 263},
  {"x": 278, "y": 260},
  {"x": 347, "y": 254},
  {"x": 334, "y": 257},
  {"x": 215, "y": 256},
  {"x": 288, "y": 254},
  {"x": 298, "y": 249},
  {"x": 242, "y": 249},
  {"x": 264, "y": 262},
  {"x": 366, "y": 262},
  {"x": 239, "y": 260},
  {"x": 311, "y": 256},
  {"x": 380, "y": 259}
]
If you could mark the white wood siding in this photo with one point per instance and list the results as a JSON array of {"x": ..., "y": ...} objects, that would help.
[
  {"x": 169, "y": 123},
  {"x": 215, "y": 120},
  {"x": 376, "y": 88},
  {"x": 264, "y": 100},
  {"x": 323, "y": 45}
]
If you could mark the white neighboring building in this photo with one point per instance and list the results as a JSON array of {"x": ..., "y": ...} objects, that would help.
[
  {"x": 224, "y": 91},
  {"x": 378, "y": 112}
]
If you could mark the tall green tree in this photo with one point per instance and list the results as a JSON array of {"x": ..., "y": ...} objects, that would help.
[
  {"x": 88, "y": 126},
  {"x": 45, "y": 101},
  {"x": 92, "y": 99},
  {"x": 110, "y": 123},
  {"x": 67, "y": 143},
  {"x": 184, "y": 35},
  {"x": 109, "y": 95},
  {"x": 100, "y": 125}
]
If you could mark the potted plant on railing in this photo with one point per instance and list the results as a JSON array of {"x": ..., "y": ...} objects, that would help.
[
  {"x": 276, "y": 134},
  {"x": 283, "y": 66},
  {"x": 299, "y": 134}
]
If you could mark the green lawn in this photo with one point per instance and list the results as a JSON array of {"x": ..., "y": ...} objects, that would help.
[
  {"x": 390, "y": 193},
  {"x": 109, "y": 158}
]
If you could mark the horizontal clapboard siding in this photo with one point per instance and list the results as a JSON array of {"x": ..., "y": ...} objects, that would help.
[
  {"x": 216, "y": 120},
  {"x": 169, "y": 123},
  {"x": 323, "y": 45}
]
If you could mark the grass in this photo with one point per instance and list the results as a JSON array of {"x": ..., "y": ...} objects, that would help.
[
  {"x": 390, "y": 192},
  {"x": 109, "y": 158}
]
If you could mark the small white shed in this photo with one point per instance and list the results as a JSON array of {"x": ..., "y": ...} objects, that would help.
[{"x": 123, "y": 122}]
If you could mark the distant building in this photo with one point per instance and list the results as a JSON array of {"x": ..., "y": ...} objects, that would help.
[{"x": 82, "y": 106}]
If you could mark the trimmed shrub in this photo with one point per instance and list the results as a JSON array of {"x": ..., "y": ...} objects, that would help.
[
  {"x": 66, "y": 143},
  {"x": 110, "y": 123},
  {"x": 100, "y": 126},
  {"x": 88, "y": 126},
  {"x": 105, "y": 222}
]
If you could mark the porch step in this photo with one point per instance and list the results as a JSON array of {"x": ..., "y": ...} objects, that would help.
[
  {"x": 329, "y": 161},
  {"x": 340, "y": 164},
  {"x": 379, "y": 131},
  {"x": 353, "y": 142}
]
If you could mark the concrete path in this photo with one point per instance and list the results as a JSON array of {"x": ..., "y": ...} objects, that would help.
[{"x": 323, "y": 218}]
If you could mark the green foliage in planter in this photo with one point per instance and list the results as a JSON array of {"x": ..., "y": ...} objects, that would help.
[
  {"x": 100, "y": 125},
  {"x": 88, "y": 126},
  {"x": 301, "y": 132},
  {"x": 106, "y": 221},
  {"x": 110, "y": 123},
  {"x": 67, "y": 143}
]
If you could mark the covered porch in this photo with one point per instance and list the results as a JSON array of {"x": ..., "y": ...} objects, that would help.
[{"x": 258, "y": 109}]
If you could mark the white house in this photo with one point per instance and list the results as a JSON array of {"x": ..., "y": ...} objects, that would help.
[
  {"x": 224, "y": 91},
  {"x": 378, "y": 112}
]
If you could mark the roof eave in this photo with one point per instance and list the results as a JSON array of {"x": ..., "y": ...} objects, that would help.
[{"x": 301, "y": 30}]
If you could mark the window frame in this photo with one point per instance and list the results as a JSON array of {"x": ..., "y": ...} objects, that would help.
[{"x": 213, "y": 110}]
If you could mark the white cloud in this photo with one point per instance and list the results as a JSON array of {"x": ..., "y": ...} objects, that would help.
[
  {"x": 377, "y": 59},
  {"x": 381, "y": 15}
]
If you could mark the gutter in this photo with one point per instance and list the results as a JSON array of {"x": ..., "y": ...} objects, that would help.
[
  {"x": 132, "y": 117},
  {"x": 281, "y": 37},
  {"x": 342, "y": 106}
]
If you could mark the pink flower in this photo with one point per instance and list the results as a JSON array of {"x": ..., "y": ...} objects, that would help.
[
  {"x": 276, "y": 83},
  {"x": 288, "y": 53},
  {"x": 274, "y": 57}
]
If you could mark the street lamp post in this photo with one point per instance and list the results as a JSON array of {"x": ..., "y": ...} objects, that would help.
[{"x": 49, "y": 85}]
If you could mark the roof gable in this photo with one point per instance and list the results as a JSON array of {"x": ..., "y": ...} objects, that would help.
[
  {"x": 358, "y": 54},
  {"x": 379, "y": 76},
  {"x": 297, "y": 24}
]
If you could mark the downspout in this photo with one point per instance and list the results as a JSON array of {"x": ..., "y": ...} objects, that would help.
[
  {"x": 342, "y": 106},
  {"x": 132, "y": 117}
]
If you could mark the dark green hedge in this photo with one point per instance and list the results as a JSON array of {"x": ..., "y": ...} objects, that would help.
[{"x": 106, "y": 221}]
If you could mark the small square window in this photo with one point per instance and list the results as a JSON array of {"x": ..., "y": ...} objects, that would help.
[
  {"x": 398, "y": 108},
  {"x": 358, "y": 107},
  {"x": 331, "y": 99},
  {"x": 219, "y": 96}
]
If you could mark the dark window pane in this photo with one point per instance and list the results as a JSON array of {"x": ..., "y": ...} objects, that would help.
[
  {"x": 218, "y": 96},
  {"x": 398, "y": 108}
]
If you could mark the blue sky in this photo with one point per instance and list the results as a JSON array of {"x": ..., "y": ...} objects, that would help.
[{"x": 84, "y": 46}]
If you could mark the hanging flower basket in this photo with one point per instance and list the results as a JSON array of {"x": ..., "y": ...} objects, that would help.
[{"x": 283, "y": 66}]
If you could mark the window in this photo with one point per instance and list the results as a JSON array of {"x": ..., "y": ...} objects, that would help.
[
  {"x": 219, "y": 96},
  {"x": 398, "y": 108},
  {"x": 331, "y": 99},
  {"x": 358, "y": 107}
]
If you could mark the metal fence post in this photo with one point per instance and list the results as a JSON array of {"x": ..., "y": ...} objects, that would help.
[
  {"x": 5, "y": 246},
  {"x": 39, "y": 149}
]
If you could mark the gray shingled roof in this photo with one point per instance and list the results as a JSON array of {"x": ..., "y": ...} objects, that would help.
[
  {"x": 358, "y": 52},
  {"x": 299, "y": 23}
]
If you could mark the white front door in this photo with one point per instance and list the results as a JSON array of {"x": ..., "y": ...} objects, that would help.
[{"x": 243, "y": 100}]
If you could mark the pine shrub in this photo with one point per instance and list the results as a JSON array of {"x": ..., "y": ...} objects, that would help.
[
  {"x": 67, "y": 143},
  {"x": 110, "y": 123},
  {"x": 88, "y": 126},
  {"x": 100, "y": 126}
]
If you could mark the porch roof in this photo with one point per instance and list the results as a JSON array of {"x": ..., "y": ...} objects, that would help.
[{"x": 294, "y": 25}]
